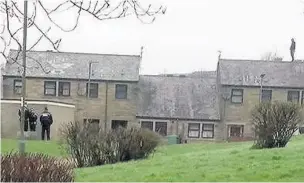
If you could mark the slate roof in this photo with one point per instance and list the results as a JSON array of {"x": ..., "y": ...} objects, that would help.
[
  {"x": 76, "y": 65},
  {"x": 178, "y": 97},
  {"x": 247, "y": 73}
]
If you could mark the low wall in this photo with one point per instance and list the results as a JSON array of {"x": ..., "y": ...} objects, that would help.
[{"x": 10, "y": 125}]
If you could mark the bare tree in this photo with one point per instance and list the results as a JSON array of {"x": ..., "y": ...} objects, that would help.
[
  {"x": 12, "y": 13},
  {"x": 271, "y": 56}
]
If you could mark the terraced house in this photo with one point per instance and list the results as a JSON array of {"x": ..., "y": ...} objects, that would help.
[{"x": 213, "y": 105}]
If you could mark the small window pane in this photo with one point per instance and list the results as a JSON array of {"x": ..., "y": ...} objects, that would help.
[
  {"x": 194, "y": 130},
  {"x": 121, "y": 91},
  {"x": 237, "y": 92},
  {"x": 147, "y": 125},
  {"x": 293, "y": 96},
  {"x": 50, "y": 88},
  {"x": 50, "y": 91},
  {"x": 18, "y": 83},
  {"x": 266, "y": 95},
  {"x": 194, "y": 126},
  {"x": 207, "y": 134},
  {"x": 237, "y": 96},
  {"x": 237, "y": 99},
  {"x": 17, "y": 86},
  {"x": 64, "y": 88},
  {"x": 208, "y": 127},
  {"x": 93, "y": 90},
  {"x": 193, "y": 134},
  {"x": 161, "y": 128}
]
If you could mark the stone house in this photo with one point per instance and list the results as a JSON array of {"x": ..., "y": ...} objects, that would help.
[
  {"x": 239, "y": 85},
  {"x": 213, "y": 105},
  {"x": 62, "y": 78}
]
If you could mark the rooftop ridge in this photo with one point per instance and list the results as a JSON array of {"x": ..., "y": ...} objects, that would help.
[
  {"x": 83, "y": 53},
  {"x": 254, "y": 60}
]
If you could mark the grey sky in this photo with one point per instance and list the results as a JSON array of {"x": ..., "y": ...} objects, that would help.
[{"x": 189, "y": 35}]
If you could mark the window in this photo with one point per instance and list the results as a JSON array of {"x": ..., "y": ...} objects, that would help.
[
  {"x": 293, "y": 96},
  {"x": 208, "y": 131},
  {"x": 50, "y": 88},
  {"x": 237, "y": 96},
  {"x": 194, "y": 130},
  {"x": 147, "y": 125},
  {"x": 94, "y": 124},
  {"x": 266, "y": 95},
  {"x": 119, "y": 123},
  {"x": 121, "y": 91},
  {"x": 236, "y": 130},
  {"x": 64, "y": 88},
  {"x": 157, "y": 126},
  {"x": 93, "y": 90},
  {"x": 17, "y": 86},
  {"x": 93, "y": 121},
  {"x": 161, "y": 128}
]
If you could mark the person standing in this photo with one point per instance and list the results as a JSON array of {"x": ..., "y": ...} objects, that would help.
[
  {"x": 292, "y": 49},
  {"x": 46, "y": 120},
  {"x": 26, "y": 117},
  {"x": 32, "y": 120}
]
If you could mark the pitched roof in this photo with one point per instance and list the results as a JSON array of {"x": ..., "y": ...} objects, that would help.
[
  {"x": 76, "y": 65},
  {"x": 247, "y": 73},
  {"x": 178, "y": 97}
]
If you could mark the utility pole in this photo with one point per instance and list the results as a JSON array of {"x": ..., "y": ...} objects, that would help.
[
  {"x": 261, "y": 86},
  {"x": 22, "y": 120}
]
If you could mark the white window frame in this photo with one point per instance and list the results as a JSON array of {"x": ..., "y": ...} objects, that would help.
[
  {"x": 154, "y": 122},
  {"x": 201, "y": 130},
  {"x": 299, "y": 99},
  {"x": 57, "y": 87},
  {"x": 228, "y": 125}
]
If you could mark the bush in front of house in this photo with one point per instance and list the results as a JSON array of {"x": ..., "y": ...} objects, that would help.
[
  {"x": 90, "y": 146},
  {"x": 275, "y": 123},
  {"x": 34, "y": 167}
]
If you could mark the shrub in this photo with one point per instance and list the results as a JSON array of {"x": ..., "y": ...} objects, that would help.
[
  {"x": 34, "y": 168},
  {"x": 275, "y": 123},
  {"x": 92, "y": 147}
]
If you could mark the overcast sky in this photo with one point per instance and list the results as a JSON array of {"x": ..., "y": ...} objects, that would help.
[{"x": 187, "y": 38}]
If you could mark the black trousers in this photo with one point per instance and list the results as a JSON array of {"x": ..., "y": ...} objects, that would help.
[
  {"x": 25, "y": 126},
  {"x": 32, "y": 126},
  {"x": 292, "y": 52},
  {"x": 45, "y": 130}
]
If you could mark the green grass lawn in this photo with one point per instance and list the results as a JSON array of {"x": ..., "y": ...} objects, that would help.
[{"x": 196, "y": 162}]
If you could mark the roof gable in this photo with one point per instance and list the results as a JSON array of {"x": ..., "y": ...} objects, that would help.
[
  {"x": 76, "y": 65},
  {"x": 247, "y": 73}
]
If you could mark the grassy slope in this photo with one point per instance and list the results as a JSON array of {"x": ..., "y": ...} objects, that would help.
[
  {"x": 48, "y": 147},
  {"x": 210, "y": 162},
  {"x": 196, "y": 162}
]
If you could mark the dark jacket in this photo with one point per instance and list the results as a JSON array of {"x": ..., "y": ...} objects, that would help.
[
  {"x": 26, "y": 114},
  {"x": 46, "y": 119},
  {"x": 293, "y": 46},
  {"x": 32, "y": 117}
]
